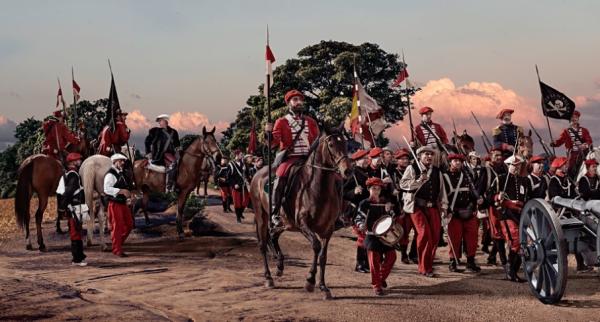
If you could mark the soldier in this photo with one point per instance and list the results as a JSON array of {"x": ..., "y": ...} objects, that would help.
[
  {"x": 117, "y": 188},
  {"x": 577, "y": 140},
  {"x": 509, "y": 193},
  {"x": 427, "y": 130},
  {"x": 403, "y": 161},
  {"x": 293, "y": 133},
  {"x": 461, "y": 213},
  {"x": 355, "y": 191},
  {"x": 539, "y": 186},
  {"x": 505, "y": 135},
  {"x": 57, "y": 136},
  {"x": 113, "y": 141},
  {"x": 258, "y": 163},
  {"x": 223, "y": 177},
  {"x": 238, "y": 184},
  {"x": 73, "y": 196},
  {"x": 560, "y": 184},
  {"x": 382, "y": 167},
  {"x": 162, "y": 148},
  {"x": 381, "y": 256},
  {"x": 589, "y": 183},
  {"x": 425, "y": 205}
]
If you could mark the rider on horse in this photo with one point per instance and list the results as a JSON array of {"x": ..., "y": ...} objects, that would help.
[
  {"x": 57, "y": 136},
  {"x": 113, "y": 141},
  {"x": 294, "y": 133},
  {"x": 506, "y": 134},
  {"x": 162, "y": 148},
  {"x": 577, "y": 140}
]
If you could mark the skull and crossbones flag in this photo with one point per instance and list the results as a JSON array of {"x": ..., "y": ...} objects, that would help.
[{"x": 555, "y": 104}]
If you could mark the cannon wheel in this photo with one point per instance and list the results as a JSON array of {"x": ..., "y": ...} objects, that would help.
[{"x": 544, "y": 251}]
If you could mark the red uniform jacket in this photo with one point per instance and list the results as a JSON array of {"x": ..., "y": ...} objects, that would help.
[
  {"x": 282, "y": 133},
  {"x": 565, "y": 138},
  {"x": 109, "y": 139},
  {"x": 57, "y": 136},
  {"x": 438, "y": 130}
]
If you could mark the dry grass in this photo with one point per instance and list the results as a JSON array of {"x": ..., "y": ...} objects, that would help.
[{"x": 8, "y": 226}]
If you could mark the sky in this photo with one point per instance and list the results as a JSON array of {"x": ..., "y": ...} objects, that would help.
[{"x": 201, "y": 60}]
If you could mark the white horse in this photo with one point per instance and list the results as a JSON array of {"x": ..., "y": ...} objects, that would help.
[
  {"x": 593, "y": 154},
  {"x": 92, "y": 173}
]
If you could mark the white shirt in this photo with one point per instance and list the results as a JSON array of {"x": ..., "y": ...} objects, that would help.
[{"x": 109, "y": 184}]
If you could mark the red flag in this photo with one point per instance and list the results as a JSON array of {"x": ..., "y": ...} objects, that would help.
[
  {"x": 58, "y": 96},
  {"x": 252, "y": 144},
  {"x": 76, "y": 90},
  {"x": 401, "y": 77}
]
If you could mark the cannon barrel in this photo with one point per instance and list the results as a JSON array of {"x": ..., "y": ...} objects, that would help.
[{"x": 578, "y": 204}]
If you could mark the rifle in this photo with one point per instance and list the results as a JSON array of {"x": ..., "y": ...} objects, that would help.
[
  {"x": 486, "y": 141},
  {"x": 544, "y": 146}
]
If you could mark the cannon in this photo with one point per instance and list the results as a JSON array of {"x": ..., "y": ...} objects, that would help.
[{"x": 548, "y": 233}]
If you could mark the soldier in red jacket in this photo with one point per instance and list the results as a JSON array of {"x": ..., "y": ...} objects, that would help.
[
  {"x": 293, "y": 133},
  {"x": 111, "y": 142},
  {"x": 577, "y": 140},
  {"x": 57, "y": 136},
  {"x": 427, "y": 130}
]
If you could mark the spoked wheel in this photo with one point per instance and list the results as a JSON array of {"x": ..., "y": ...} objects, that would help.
[{"x": 544, "y": 251}]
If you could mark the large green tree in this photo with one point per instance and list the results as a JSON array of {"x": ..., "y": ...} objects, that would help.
[{"x": 324, "y": 72}]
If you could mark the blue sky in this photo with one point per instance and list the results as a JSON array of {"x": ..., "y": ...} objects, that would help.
[{"x": 207, "y": 56}]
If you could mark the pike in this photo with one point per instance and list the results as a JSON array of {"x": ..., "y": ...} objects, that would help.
[
  {"x": 486, "y": 141},
  {"x": 544, "y": 146}
]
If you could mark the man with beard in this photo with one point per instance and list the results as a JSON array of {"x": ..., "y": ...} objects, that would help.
[
  {"x": 355, "y": 191},
  {"x": 577, "y": 140},
  {"x": 506, "y": 134}
]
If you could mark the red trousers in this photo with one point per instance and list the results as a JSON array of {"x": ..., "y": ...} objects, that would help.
[
  {"x": 241, "y": 198},
  {"x": 380, "y": 265},
  {"x": 74, "y": 229},
  {"x": 459, "y": 229},
  {"x": 510, "y": 230},
  {"x": 121, "y": 223},
  {"x": 495, "y": 225},
  {"x": 407, "y": 225},
  {"x": 225, "y": 193},
  {"x": 360, "y": 236},
  {"x": 427, "y": 225}
]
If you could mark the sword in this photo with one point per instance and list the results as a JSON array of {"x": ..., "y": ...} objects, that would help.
[{"x": 486, "y": 141}]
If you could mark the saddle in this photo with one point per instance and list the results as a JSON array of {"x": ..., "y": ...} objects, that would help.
[{"x": 153, "y": 167}]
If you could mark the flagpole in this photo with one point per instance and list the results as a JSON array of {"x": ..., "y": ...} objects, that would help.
[
  {"x": 62, "y": 100},
  {"x": 269, "y": 133},
  {"x": 112, "y": 110},
  {"x": 547, "y": 118},
  {"x": 410, "y": 120},
  {"x": 74, "y": 100},
  {"x": 360, "y": 129}
]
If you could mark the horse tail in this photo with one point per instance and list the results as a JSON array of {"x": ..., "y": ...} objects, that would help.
[{"x": 23, "y": 195}]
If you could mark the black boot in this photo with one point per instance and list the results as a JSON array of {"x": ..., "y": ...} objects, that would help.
[
  {"x": 501, "y": 249},
  {"x": 278, "y": 191},
  {"x": 442, "y": 242},
  {"x": 413, "y": 255},
  {"x": 404, "y": 254},
  {"x": 581, "y": 267},
  {"x": 362, "y": 265},
  {"x": 228, "y": 203},
  {"x": 171, "y": 174},
  {"x": 491, "y": 260},
  {"x": 238, "y": 214},
  {"x": 471, "y": 266},
  {"x": 453, "y": 266},
  {"x": 225, "y": 210},
  {"x": 514, "y": 262}
]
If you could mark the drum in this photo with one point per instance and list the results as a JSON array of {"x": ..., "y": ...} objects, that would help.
[{"x": 388, "y": 230}]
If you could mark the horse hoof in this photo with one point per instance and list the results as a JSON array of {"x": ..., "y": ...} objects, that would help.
[
  {"x": 327, "y": 295},
  {"x": 29, "y": 247},
  {"x": 309, "y": 287},
  {"x": 43, "y": 248},
  {"x": 270, "y": 284},
  {"x": 279, "y": 273}
]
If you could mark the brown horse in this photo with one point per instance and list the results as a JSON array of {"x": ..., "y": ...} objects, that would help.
[
  {"x": 38, "y": 173},
  {"x": 188, "y": 173},
  {"x": 205, "y": 173},
  {"x": 311, "y": 206}
]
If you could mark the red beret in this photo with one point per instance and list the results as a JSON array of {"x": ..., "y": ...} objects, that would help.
[
  {"x": 576, "y": 113},
  {"x": 504, "y": 111},
  {"x": 292, "y": 93},
  {"x": 487, "y": 158},
  {"x": 453, "y": 156},
  {"x": 401, "y": 153},
  {"x": 359, "y": 154},
  {"x": 58, "y": 113},
  {"x": 374, "y": 181},
  {"x": 73, "y": 157},
  {"x": 559, "y": 162},
  {"x": 425, "y": 109},
  {"x": 537, "y": 158},
  {"x": 375, "y": 152},
  {"x": 590, "y": 162}
]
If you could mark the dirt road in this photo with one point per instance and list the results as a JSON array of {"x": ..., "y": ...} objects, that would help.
[{"x": 220, "y": 278}]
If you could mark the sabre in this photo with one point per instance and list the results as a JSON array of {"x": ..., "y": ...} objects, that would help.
[
  {"x": 445, "y": 223},
  {"x": 413, "y": 154},
  {"x": 544, "y": 146},
  {"x": 486, "y": 141}
]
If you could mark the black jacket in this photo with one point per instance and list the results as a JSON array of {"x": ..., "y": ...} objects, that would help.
[
  {"x": 73, "y": 194},
  {"x": 157, "y": 142}
]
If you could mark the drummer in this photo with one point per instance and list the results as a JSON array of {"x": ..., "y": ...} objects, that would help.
[{"x": 381, "y": 257}]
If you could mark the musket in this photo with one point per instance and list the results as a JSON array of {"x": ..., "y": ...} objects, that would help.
[
  {"x": 544, "y": 146},
  {"x": 486, "y": 141}
]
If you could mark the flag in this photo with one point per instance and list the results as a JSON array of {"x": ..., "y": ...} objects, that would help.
[
  {"x": 366, "y": 116},
  {"x": 252, "y": 144},
  {"x": 270, "y": 59},
  {"x": 59, "y": 97},
  {"x": 401, "y": 77},
  {"x": 76, "y": 90},
  {"x": 555, "y": 104},
  {"x": 113, "y": 106}
]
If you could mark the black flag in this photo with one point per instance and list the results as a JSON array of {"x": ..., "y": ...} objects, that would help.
[
  {"x": 556, "y": 104},
  {"x": 113, "y": 107}
]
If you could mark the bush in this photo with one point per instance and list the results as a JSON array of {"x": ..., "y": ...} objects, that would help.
[{"x": 193, "y": 205}]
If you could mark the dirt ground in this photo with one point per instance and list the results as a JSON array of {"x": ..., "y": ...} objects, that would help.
[{"x": 218, "y": 278}]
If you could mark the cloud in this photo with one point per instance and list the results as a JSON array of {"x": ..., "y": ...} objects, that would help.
[
  {"x": 183, "y": 122},
  {"x": 137, "y": 122},
  {"x": 136, "y": 96},
  {"x": 7, "y": 132}
]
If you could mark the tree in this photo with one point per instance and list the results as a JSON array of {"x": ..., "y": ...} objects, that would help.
[{"x": 324, "y": 72}]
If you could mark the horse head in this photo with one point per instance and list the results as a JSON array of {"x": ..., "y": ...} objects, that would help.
[
  {"x": 333, "y": 151},
  {"x": 209, "y": 145}
]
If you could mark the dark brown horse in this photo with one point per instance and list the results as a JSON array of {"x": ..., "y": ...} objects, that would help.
[
  {"x": 205, "y": 146},
  {"x": 207, "y": 170},
  {"x": 311, "y": 207}
]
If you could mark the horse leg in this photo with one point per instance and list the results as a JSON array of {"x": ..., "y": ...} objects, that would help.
[
  {"x": 206, "y": 189},
  {"x": 102, "y": 224},
  {"x": 322, "y": 265},
  {"x": 183, "y": 194},
  {"x": 43, "y": 202},
  {"x": 316, "y": 245},
  {"x": 145, "y": 200},
  {"x": 262, "y": 232},
  {"x": 27, "y": 233},
  {"x": 90, "y": 226},
  {"x": 275, "y": 241}
]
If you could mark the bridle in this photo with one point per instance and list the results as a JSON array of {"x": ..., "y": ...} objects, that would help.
[
  {"x": 336, "y": 162},
  {"x": 203, "y": 151}
]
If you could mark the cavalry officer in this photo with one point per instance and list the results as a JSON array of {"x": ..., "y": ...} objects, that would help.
[
  {"x": 426, "y": 202},
  {"x": 355, "y": 191},
  {"x": 113, "y": 141},
  {"x": 223, "y": 177},
  {"x": 162, "y": 148},
  {"x": 381, "y": 256},
  {"x": 506, "y": 134},
  {"x": 57, "y": 136},
  {"x": 461, "y": 212},
  {"x": 117, "y": 188},
  {"x": 589, "y": 183},
  {"x": 577, "y": 140},
  {"x": 293, "y": 133}
]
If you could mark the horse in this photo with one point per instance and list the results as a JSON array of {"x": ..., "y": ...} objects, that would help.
[
  {"x": 92, "y": 172},
  {"x": 463, "y": 143},
  {"x": 38, "y": 173},
  {"x": 311, "y": 206},
  {"x": 188, "y": 170},
  {"x": 205, "y": 172}
]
